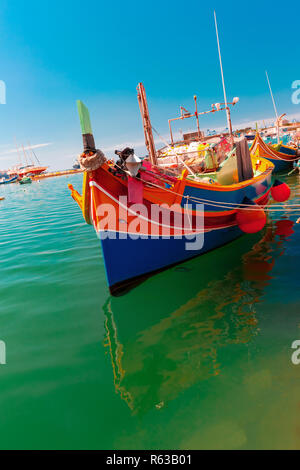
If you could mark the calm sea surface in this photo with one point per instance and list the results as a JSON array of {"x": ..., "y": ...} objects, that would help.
[{"x": 198, "y": 356}]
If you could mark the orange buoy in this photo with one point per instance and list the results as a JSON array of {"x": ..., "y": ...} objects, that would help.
[
  {"x": 251, "y": 219},
  {"x": 280, "y": 191}
]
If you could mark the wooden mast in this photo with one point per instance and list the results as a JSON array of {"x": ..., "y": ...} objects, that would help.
[{"x": 149, "y": 141}]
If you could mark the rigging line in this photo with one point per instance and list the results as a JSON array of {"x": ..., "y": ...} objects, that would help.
[
  {"x": 222, "y": 205},
  {"x": 34, "y": 153},
  {"x": 236, "y": 206}
]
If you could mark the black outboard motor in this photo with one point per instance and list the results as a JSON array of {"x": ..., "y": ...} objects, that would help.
[
  {"x": 123, "y": 155},
  {"x": 120, "y": 166}
]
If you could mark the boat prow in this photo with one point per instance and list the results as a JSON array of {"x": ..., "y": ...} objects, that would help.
[{"x": 282, "y": 161}]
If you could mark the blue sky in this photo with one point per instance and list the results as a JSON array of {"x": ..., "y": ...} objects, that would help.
[{"x": 55, "y": 52}]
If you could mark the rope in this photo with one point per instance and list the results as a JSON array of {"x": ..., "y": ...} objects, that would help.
[
  {"x": 224, "y": 205},
  {"x": 221, "y": 205}
]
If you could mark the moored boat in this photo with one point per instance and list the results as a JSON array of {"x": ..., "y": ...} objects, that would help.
[
  {"x": 25, "y": 180},
  {"x": 32, "y": 170},
  {"x": 8, "y": 180},
  {"x": 282, "y": 160},
  {"x": 149, "y": 218}
]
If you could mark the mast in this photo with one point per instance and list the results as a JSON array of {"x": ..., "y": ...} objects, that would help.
[
  {"x": 275, "y": 109},
  {"x": 149, "y": 141},
  {"x": 26, "y": 161},
  {"x": 197, "y": 117},
  {"x": 32, "y": 151},
  {"x": 19, "y": 156},
  {"x": 223, "y": 81}
]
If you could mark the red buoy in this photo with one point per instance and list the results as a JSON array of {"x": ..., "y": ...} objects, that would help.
[
  {"x": 251, "y": 219},
  {"x": 280, "y": 191},
  {"x": 284, "y": 227}
]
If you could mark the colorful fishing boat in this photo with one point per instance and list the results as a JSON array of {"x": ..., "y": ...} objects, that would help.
[
  {"x": 282, "y": 160},
  {"x": 32, "y": 170},
  {"x": 25, "y": 180},
  {"x": 8, "y": 180},
  {"x": 149, "y": 218},
  {"x": 27, "y": 168}
]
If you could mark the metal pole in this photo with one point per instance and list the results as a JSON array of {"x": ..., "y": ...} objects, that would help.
[
  {"x": 171, "y": 133},
  {"x": 275, "y": 109},
  {"x": 197, "y": 117},
  {"x": 222, "y": 75}
]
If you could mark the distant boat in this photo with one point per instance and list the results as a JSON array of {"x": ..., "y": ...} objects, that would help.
[
  {"x": 281, "y": 160},
  {"x": 27, "y": 168},
  {"x": 8, "y": 181},
  {"x": 25, "y": 180},
  {"x": 33, "y": 170},
  {"x": 250, "y": 136}
]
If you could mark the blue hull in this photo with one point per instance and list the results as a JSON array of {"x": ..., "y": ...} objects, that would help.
[
  {"x": 12, "y": 180},
  {"x": 287, "y": 150},
  {"x": 281, "y": 165},
  {"x": 127, "y": 260}
]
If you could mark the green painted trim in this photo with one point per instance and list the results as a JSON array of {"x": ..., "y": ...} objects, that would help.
[{"x": 84, "y": 117}]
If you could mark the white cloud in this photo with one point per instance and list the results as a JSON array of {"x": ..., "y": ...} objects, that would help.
[{"x": 20, "y": 149}]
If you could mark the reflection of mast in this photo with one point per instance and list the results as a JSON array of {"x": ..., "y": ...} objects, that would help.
[{"x": 116, "y": 353}]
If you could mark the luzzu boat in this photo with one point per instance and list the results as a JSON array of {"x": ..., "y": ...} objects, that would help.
[
  {"x": 283, "y": 157},
  {"x": 8, "y": 180},
  {"x": 149, "y": 219}
]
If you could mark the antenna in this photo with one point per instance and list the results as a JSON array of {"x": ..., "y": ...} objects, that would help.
[{"x": 222, "y": 75}]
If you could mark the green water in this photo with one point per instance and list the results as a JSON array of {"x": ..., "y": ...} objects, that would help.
[{"x": 196, "y": 357}]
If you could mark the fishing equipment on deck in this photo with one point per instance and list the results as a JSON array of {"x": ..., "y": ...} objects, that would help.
[
  {"x": 244, "y": 162},
  {"x": 133, "y": 163},
  {"x": 92, "y": 160}
]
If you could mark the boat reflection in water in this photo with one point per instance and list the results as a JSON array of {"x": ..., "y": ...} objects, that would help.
[{"x": 165, "y": 336}]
